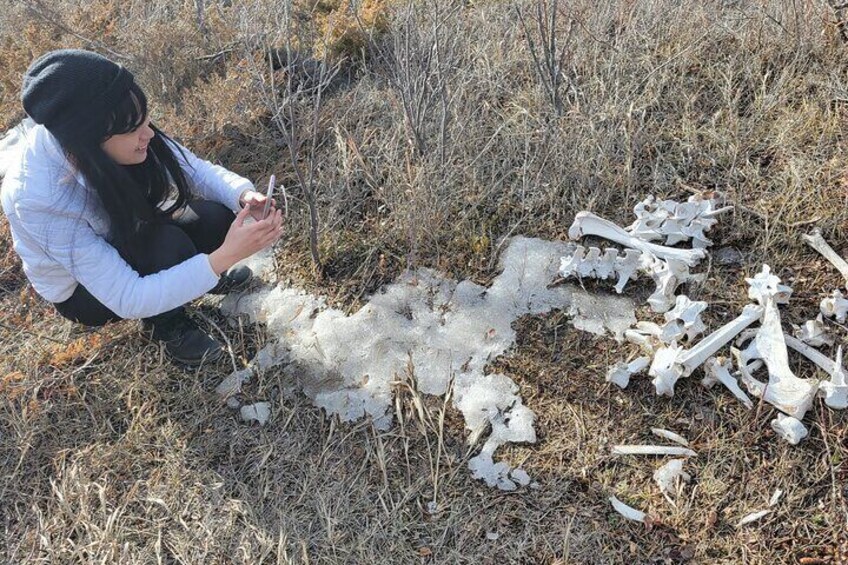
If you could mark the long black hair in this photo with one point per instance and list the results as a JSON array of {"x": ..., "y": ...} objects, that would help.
[{"x": 131, "y": 195}]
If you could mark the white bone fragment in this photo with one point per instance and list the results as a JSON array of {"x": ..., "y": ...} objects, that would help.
[
  {"x": 649, "y": 343},
  {"x": 835, "y": 306},
  {"x": 671, "y": 436},
  {"x": 667, "y": 275},
  {"x": 666, "y": 369},
  {"x": 626, "y": 266},
  {"x": 667, "y": 476},
  {"x": 259, "y": 412},
  {"x": 817, "y": 242},
  {"x": 814, "y": 332},
  {"x": 789, "y": 428},
  {"x": 586, "y": 223},
  {"x": 232, "y": 383},
  {"x": 605, "y": 266},
  {"x": 775, "y": 498},
  {"x": 620, "y": 373},
  {"x": 652, "y": 450},
  {"x": 627, "y": 511},
  {"x": 586, "y": 268},
  {"x": 835, "y": 391},
  {"x": 753, "y": 517},
  {"x": 717, "y": 370},
  {"x": 684, "y": 320},
  {"x": 568, "y": 265},
  {"x": 764, "y": 286},
  {"x": 788, "y": 393}
]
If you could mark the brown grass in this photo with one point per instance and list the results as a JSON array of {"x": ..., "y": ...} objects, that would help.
[{"x": 111, "y": 454}]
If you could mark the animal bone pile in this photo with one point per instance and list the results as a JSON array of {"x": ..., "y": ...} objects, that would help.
[
  {"x": 669, "y": 351},
  {"x": 668, "y": 266}
]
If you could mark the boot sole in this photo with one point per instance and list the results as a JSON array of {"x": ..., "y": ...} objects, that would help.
[{"x": 210, "y": 357}]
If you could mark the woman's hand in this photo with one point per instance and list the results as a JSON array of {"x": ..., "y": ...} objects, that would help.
[
  {"x": 243, "y": 240},
  {"x": 255, "y": 202}
]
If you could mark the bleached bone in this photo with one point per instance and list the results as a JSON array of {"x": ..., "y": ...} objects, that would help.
[
  {"x": 605, "y": 267},
  {"x": 835, "y": 391},
  {"x": 666, "y": 477},
  {"x": 683, "y": 320},
  {"x": 586, "y": 268},
  {"x": 817, "y": 242},
  {"x": 717, "y": 370},
  {"x": 259, "y": 412},
  {"x": 667, "y": 275},
  {"x": 672, "y": 362},
  {"x": 586, "y": 223},
  {"x": 652, "y": 450},
  {"x": 835, "y": 306},
  {"x": 671, "y": 436},
  {"x": 675, "y": 221},
  {"x": 666, "y": 369},
  {"x": 627, "y": 511},
  {"x": 789, "y": 428},
  {"x": 568, "y": 265},
  {"x": 814, "y": 332},
  {"x": 785, "y": 391},
  {"x": 620, "y": 373},
  {"x": 626, "y": 266},
  {"x": 752, "y": 517}
]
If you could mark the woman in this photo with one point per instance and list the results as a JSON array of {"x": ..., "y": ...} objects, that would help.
[{"x": 112, "y": 219}]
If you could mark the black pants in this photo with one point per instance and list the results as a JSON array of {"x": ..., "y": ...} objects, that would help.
[{"x": 200, "y": 228}]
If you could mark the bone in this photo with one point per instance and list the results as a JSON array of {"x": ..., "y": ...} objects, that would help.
[
  {"x": 627, "y": 511},
  {"x": 673, "y": 362},
  {"x": 684, "y": 320},
  {"x": 671, "y": 436},
  {"x": 586, "y": 268},
  {"x": 789, "y": 428},
  {"x": 568, "y": 265},
  {"x": 667, "y": 476},
  {"x": 605, "y": 267},
  {"x": 717, "y": 370},
  {"x": 667, "y": 275},
  {"x": 835, "y": 391},
  {"x": 785, "y": 391},
  {"x": 675, "y": 221},
  {"x": 259, "y": 412},
  {"x": 817, "y": 242},
  {"x": 626, "y": 266},
  {"x": 620, "y": 373},
  {"x": 814, "y": 332},
  {"x": 835, "y": 306},
  {"x": 752, "y": 517},
  {"x": 586, "y": 223},
  {"x": 652, "y": 450}
]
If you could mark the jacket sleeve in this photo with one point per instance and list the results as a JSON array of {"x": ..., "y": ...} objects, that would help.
[
  {"x": 212, "y": 182},
  {"x": 69, "y": 240}
]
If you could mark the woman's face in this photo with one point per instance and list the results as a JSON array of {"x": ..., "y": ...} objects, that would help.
[{"x": 130, "y": 148}]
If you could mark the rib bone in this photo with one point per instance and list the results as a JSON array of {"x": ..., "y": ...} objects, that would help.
[{"x": 817, "y": 242}]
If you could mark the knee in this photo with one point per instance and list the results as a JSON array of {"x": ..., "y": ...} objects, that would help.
[{"x": 161, "y": 246}]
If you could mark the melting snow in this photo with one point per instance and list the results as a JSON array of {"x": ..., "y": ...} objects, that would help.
[{"x": 434, "y": 326}]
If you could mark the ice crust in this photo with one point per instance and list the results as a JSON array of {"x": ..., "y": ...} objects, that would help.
[{"x": 436, "y": 328}]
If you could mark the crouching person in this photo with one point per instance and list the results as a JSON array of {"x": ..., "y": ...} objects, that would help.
[{"x": 112, "y": 219}]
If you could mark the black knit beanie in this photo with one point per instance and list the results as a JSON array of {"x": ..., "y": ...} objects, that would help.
[{"x": 71, "y": 91}]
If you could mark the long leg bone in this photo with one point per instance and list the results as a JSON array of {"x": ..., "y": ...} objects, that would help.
[
  {"x": 671, "y": 363},
  {"x": 586, "y": 223},
  {"x": 817, "y": 242}
]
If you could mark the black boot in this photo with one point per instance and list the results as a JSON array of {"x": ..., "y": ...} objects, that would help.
[
  {"x": 233, "y": 280},
  {"x": 184, "y": 341}
]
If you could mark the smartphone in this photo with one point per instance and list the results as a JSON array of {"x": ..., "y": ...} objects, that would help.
[{"x": 269, "y": 195}]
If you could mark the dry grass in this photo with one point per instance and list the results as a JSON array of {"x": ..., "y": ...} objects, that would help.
[{"x": 110, "y": 454}]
